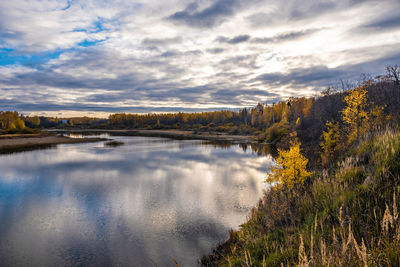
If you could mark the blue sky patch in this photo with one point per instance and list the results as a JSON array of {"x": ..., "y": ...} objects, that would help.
[
  {"x": 69, "y": 3},
  {"x": 11, "y": 57},
  {"x": 88, "y": 43}
]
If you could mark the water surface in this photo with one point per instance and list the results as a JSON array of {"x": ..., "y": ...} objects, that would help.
[{"x": 140, "y": 204}]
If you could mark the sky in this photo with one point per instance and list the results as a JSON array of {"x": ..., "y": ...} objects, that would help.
[{"x": 95, "y": 57}]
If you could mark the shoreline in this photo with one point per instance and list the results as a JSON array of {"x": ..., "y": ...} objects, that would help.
[
  {"x": 20, "y": 142},
  {"x": 175, "y": 134}
]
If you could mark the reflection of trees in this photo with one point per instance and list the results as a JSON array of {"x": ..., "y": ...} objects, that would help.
[
  {"x": 219, "y": 144},
  {"x": 260, "y": 149},
  {"x": 13, "y": 150},
  {"x": 264, "y": 149},
  {"x": 243, "y": 146}
]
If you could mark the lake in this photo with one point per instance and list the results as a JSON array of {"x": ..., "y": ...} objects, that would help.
[{"x": 139, "y": 204}]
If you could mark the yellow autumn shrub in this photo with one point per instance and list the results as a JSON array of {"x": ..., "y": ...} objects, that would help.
[
  {"x": 355, "y": 112},
  {"x": 290, "y": 168}
]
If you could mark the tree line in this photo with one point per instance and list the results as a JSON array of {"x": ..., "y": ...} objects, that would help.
[{"x": 244, "y": 121}]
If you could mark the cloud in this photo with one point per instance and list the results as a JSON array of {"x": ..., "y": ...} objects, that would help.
[
  {"x": 162, "y": 41},
  {"x": 216, "y": 50},
  {"x": 235, "y": 40},
  {"x": 210, "y": 16},
  {"x": 245, "y": 61},
  {"x": 282, "y": 37},
  {"x": 87, "y": 108},
  {"x": 317, "y": 76},
  {"x": 321, "y": 76},
  {"x": 385, "y": 23},
  {"x": 186, "y": 55},
  {"x": 38, "y": 26},
  {"x": 280, "y": 13}
]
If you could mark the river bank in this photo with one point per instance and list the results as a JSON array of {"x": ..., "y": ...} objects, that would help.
[
  {"x": 176, "y": 134},
  {"x": 17, "y": 142}
]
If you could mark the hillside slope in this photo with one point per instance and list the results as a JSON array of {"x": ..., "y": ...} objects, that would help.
[
  {"x": 346, "y": 213},
  {"x": 346, "y": 216}
]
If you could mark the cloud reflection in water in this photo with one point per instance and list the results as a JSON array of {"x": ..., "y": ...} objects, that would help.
[{"x": 142, "y": 203}]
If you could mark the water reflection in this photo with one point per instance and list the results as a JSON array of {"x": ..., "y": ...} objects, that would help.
[
  {"x": 259, "y": 148},
  {"x": 140, "y": 204},
  {"x": 14, "y": 150},
  {"x": 82, "y": 135}
]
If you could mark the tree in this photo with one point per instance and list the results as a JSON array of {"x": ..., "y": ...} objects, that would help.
[
  {"x": 291, "y": 167},
  {"x": 394, "y": 73},
  {"x": 354, "y": 114},
  {"x": 329, "y": 144},
  {"x": 8, "y": 118},
  {"x": 11, "y": 127},
  {"x": 19, "y": 124},
  {"x": 33, "y": 121}
]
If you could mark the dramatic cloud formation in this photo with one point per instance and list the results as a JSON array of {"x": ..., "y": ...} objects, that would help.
[{"x": 159, "y": 56}]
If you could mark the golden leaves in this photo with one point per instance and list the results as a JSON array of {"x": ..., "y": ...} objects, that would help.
[
  {"x": 355, "y": 112},
  {"x": 291, "y": 167}
]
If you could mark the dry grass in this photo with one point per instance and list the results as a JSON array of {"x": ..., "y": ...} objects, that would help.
[{"x": 344, "y": 216}]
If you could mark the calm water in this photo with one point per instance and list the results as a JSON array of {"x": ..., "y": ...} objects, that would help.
[{"x": 140, "y": 204}]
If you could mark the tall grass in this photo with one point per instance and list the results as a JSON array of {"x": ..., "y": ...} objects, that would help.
[{"x": 343, "y": 216}]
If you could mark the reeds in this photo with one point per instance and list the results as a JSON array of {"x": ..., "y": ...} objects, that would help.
[{"x": 345, "y": 250}]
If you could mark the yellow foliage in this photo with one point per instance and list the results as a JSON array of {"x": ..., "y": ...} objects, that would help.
[
  {"x": 12, "y": 126},
  {"x": 377, "y": 118},
  {"x": 307, "y": 106},
  {"x": 291, "y": 167},
  {"x": 20, "y": 124},
  {"x": 298, "y": 121},
  {"x": 329, "y": 144},
  {"x": 355, "y": 112}
]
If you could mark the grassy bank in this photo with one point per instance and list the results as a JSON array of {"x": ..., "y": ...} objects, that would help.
[
  {"x": 345, "y": 215},
  {"x": 25, "y": 142}
]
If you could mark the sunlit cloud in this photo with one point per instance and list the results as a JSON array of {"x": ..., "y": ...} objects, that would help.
[{"x": 159, "y": 56}]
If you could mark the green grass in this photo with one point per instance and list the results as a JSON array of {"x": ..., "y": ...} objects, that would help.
[{"x": 345, "y": 216}]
